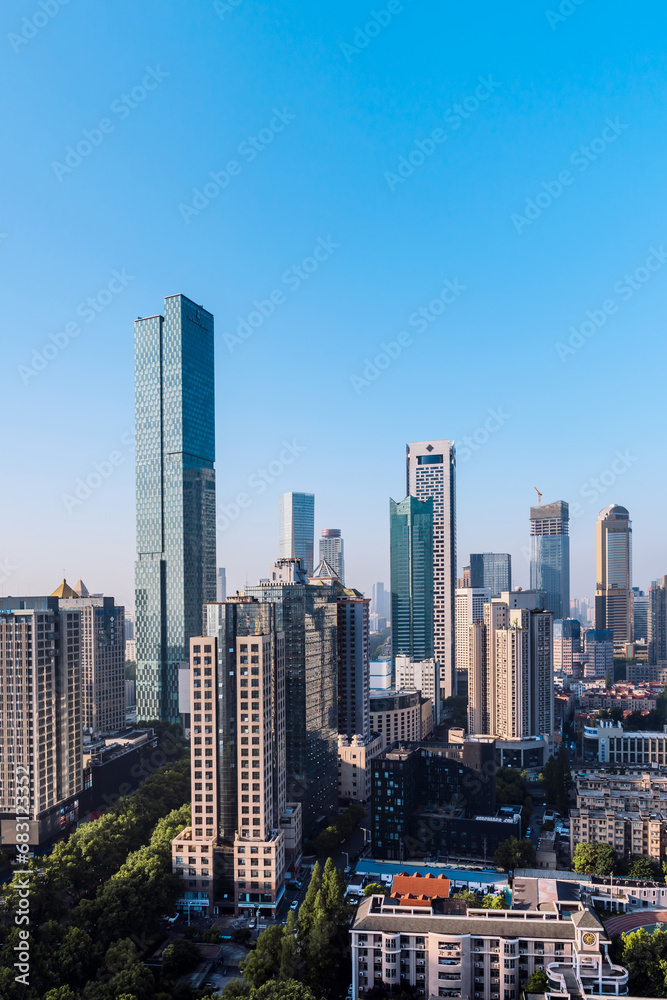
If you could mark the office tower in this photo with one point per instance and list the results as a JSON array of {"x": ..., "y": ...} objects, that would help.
[
  {"x": 511, "y": 695},
  {"x": 639, "y": 614},
  {"x": 424, "y": 676},
  {"x": 598, "y": 655},
  {"x": 221, "y": 585},
  {"x": 491, "y": 571},
  {"x": 657, "y": 621},
  {"x": 175, "y": 452},
  {"x": 550, "y": 555},
  {"x": 308, "y": 614},
  {"x": 296, "y": 515},
  {"x": 567, "y": 645},
  {"x": 463, "y": 582},
  {"x": 353, "y": 666},
  {"x": 412, "y": 580},
  {"x": 469, "y": 608},
  {"x": 381, "y": 601},
  {"x": 613, "y": 589},
  {"x": 332, "y": 549},
  {"x": 431, "y": 474},
  {"x": 129, "y": 625},
  {"x": 40, "y": 718},
  {"x": 102, "y": 649}
]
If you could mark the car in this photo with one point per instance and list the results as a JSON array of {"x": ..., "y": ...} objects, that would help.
[
  {"x": 294, "y": 905},
  {"x": 528, "y": 832},
  {"x": 294, "y": 884}
]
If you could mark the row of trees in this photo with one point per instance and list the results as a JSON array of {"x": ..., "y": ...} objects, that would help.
[
  {"x": 602, "y": 859},
  {"x": 96, "y": 899},
  {"x": 306, "y": 949}
]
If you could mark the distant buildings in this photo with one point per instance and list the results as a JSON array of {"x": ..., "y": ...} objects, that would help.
[
  {"x": 431, "y": 475},
  {"x": 400, "y": 715},
  {"x": 221, "y": 585},
  {"x": 102, "y": 655},
  {"x": 598, "y": 655},
  {"x": 613, "y": 589},
  {"x": 175, "y": 452},
  {"x": 511, "y": 693},
  {"x": 332, "y": 549},
  {"x": 412, "y": 556},
  {"x": 381, "y": 601},
  {"x": 296, "y": 517},
  {"x": 550, "y": 555},
  {"x": 41, "y": 776},
  {"x": 639, "y": 615},
  {"x": 491, "y": 571},
  {"x": 629, "y": 812},
  {"x": 657, "y": 621}
]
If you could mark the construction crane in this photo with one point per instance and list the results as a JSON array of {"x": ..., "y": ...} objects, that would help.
[{"x": 539, "y": 496}]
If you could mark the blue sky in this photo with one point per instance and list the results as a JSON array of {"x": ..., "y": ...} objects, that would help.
[{"x": 540, "y": 200}]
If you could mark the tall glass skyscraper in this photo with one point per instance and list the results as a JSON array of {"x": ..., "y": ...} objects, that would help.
[
  {"x": 411, "y": 535},
  {"x": 296, "y": 514},
  {"x": 175, "y": 452},
  {"x": 491, "y": 571},
  {"x": 550, "y": 555}
]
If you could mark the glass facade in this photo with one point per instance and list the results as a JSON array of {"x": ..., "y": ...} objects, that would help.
[
  {"x": 491, "y": 571},
  {"x": 550, "y": 556},
  {"x": 296, "y": 513},
  {"x": 411, "y": 538},
  {"x": 175, "y": 452}
]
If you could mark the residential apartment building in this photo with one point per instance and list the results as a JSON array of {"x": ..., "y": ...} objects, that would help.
[
  {"x": 102, "y": 652},
  {"x": 657, "y": 621},
  {"x": 41, "y": 776},
  {"x": 468, "y": 610},
  {"x": 424, "y": 676},
  {"x": 567, "y": 645},
  {"x": 484, "y": 955},
  {"x": 400, "y": 715}
]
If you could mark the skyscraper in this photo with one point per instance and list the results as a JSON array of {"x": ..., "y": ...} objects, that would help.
[
  {"x": 431, "y": 474},
  {"x": 639, "y": 614},
  {"x": 550, "y": 555},
  {"x": 332, "y": 549},
  {"x": 175, "y": 452},
  {"x": 567, "y": 645},
  {"x": 102, "y": 654},
  {"x": 491, "y": 571},
  {"x": 411, "y": 535},
  {"x": 296, "y": 513},
  {"x": 221, "y": 585},
  {"x": 381, "y": 602},
  {"x": 613, "y": 588},
  {"x": 657, "y": 621}
]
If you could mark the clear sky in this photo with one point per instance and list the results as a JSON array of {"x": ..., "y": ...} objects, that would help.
[{"x": 517, "y": 154}]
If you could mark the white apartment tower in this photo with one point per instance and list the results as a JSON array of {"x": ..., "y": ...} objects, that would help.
[
  {"x": 469, "y": 609},
  {"x": 431, "y": 473}
]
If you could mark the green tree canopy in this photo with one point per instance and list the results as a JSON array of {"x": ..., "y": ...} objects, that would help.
[
  {"x": 513, "y": 853},
  {"x": 375, "y": 889}
]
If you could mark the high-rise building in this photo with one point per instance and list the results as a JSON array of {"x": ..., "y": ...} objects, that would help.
[
  {"x": 613, "y": 588},
  {"x": 657, "y": 621},
  {"x": 175, "y": 452},
  {"x": 41, "y": 773},
  {"x": 510, "y": 687},
  {"x": 411, "y": 536},
  {"x": 431, "y": 474},
  {"x": 598, "y": 655},
  {"x": 129, "y": 625},
  {"x": 423, "y": 676},
  {"x": 296, "y": 516},
  {"x": 381, "y": 601},
  {"x": 639, "y": 614},
  {"x": 469, "y": 608},
  {"x": 550, "y": 555},
  {"x": 221, "y": 585},
  {"x": 491, "y": 571},
  {"x": 332, "y": 549},
  {"x": 102, "y": 652},
  {"x": 567, "y": 645}
]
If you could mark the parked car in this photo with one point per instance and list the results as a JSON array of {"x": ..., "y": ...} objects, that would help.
[
  {"x": 294, "y": 884},
  {"x": 528, "y": 833}
]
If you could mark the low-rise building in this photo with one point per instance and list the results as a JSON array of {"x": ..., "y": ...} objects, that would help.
[
  {"x": 482, "y": 955},
  {"x": 608, "y": 743},
  {"x": 627, "y": 811}
]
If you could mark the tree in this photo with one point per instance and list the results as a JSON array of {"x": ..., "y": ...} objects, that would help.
[
  {"x": 606, "y": 860},
  {"x": 288, "y": 989},
  {"x": 645, "y": 958},
  {"x": 242, "y": 935},
  {"x": 308, "y": 904},
  {"x": 637, "y": 866},
  {"x": 594, "y": 859},
  {"x": 60, "y": 993},
  {"x": 513, "y": 853},
  {"x": 469, "y": 897},
  {"x": 291, "y": 962},
  {"x": 375, "y": 889},
  {"x": 537, "y": 983},
  {"x": 179, "y": 957},
  {"x": 319, "y": 952},
  {"x": 263, "y": 962},
  {"x": 493, "y": 902}
]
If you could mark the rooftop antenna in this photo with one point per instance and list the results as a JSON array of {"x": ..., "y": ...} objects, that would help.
[{"x": 539, "y": 496}]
